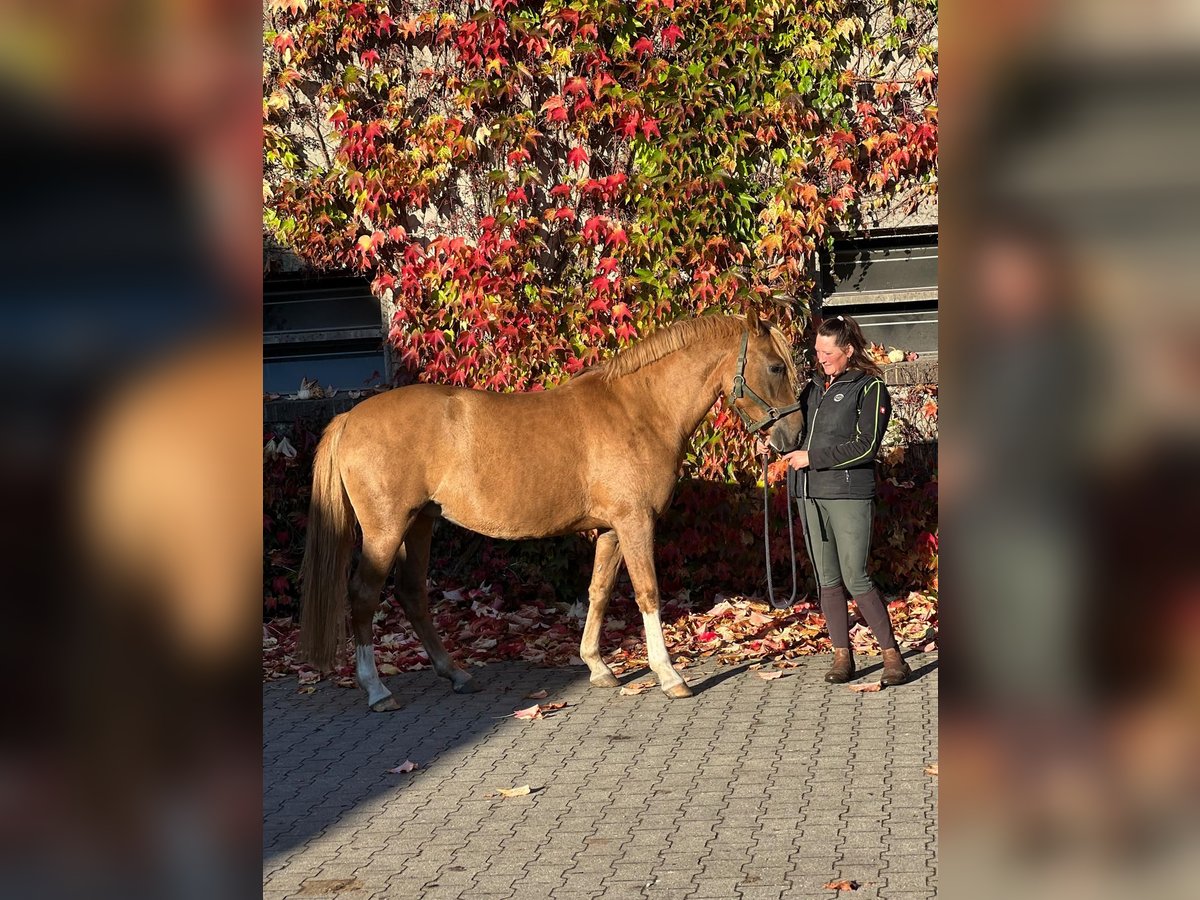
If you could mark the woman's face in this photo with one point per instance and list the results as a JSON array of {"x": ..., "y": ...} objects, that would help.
[{"x": 832, "y": 359}]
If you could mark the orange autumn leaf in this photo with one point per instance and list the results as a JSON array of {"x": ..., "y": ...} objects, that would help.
[
  {"x": 536, "y": 711},
  {"x": 638, "y": 687}
]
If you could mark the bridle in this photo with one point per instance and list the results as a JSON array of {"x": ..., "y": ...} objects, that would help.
[
  {"x": 741, "y": 389},
  {"x": 774, "y": 414}
]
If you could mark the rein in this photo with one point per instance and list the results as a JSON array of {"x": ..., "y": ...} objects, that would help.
[
  {"x": 774, "y": 414},
  {"x": 787, "y": 481}
]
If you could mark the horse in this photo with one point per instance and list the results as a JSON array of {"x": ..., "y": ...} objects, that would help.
[{"x": 602, "y": 451}]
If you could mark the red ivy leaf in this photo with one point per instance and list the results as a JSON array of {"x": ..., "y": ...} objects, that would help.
[
  {"x": 617, "y": 238},
  {"x": 576, "y": 157}
]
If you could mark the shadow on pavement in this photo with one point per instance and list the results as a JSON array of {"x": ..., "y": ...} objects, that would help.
[
  {"x": 877, "y": 666},
  {"x": 326, "y": 754}
]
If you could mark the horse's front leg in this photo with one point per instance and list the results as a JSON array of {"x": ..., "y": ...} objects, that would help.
[
  {"x": 604, "y": 576},
  {"x": 637, "y": 546},
  {"x": 413, "y": 594}
]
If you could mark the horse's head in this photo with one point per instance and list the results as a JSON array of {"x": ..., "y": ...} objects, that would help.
[{"x": 765, "y": 385}]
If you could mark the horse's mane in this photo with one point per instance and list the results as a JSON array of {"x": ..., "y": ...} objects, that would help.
[{"x": 684, "y": 334}]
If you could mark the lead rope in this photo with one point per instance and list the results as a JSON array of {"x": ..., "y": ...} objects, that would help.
[{"x": 767, "y": 537}]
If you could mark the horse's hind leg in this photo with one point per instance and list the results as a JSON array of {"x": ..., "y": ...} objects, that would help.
[
  {"x": 604, "y": 576},
  {"x": 413, "y": 594},
  {"x": 378, "y": 556}
]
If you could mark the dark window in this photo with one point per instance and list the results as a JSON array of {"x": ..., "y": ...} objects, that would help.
[
  {"x": 888, "y": 282},
  {"x": 326, "y": 329}
]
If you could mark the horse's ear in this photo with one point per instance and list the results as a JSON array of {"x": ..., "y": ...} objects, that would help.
[{"x": 754, "y": 323}]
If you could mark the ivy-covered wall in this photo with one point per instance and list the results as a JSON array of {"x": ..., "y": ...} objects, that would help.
[{"x": 530, "y": 186}]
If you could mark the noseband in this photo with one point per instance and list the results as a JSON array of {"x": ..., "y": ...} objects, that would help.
[{"x": 741, "y": 389}]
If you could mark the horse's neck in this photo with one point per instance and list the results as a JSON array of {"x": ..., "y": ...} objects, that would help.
[{"x": 679, "y": 389}]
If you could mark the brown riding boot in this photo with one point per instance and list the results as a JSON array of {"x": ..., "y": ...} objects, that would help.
[
  {"x": 895, "y": 669},
  {"x": 842, "y": 669}
]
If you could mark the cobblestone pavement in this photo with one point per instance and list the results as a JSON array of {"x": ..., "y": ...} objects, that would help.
[{"x": 752, "y": 789}]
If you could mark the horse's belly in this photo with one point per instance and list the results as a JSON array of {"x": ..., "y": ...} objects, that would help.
[
  {"x": 517, "y": 528},
  {"x": 515, "y": 514}
]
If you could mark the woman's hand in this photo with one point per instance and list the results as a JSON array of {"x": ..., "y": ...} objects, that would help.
[
  {"x": 797, "y": 459},
  {"x": 762, "y": 446}
]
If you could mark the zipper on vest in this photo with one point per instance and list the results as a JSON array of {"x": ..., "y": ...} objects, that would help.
[{"x": 812, "y": 426}]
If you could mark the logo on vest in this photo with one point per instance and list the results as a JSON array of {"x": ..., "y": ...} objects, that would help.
[{"x": 838, "y": 397}]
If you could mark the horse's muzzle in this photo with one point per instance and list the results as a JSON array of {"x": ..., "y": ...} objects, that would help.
[{"x": 785, "y": 432}]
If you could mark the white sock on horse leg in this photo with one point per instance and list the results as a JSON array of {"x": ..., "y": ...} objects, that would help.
[
  {"x": 656, "y": 651},
  {"x": 368, "y": 676}
]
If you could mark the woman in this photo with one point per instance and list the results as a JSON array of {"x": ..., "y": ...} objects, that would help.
[{"x": 846, "y": 408}]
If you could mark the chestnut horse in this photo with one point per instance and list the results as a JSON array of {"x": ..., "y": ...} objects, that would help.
[{"x": 601, "y": 451}]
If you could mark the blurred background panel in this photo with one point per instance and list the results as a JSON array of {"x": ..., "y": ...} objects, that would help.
[
  {"x": 1071, "y": 335},
  {"x": 130, "y": 256}
]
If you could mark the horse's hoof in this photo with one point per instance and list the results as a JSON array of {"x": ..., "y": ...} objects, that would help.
[
  {"x": 606, "y": 680},
  {"x": 470, "y": 686},
  {"x": 387, "y": 704},
  {"x": 678, "y": 691}
]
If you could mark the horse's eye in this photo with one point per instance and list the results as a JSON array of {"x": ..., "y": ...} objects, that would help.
[{"x": 777, "y": 369}]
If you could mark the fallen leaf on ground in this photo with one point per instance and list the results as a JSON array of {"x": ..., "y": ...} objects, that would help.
[
  {"x": 769, "y": 676},
  {"x": 871, "y": 688},
  {"x": 535, "y": 711},
  {"x": 638, "y": 687},
  {"x": 404, "y": 768},
  {"x": 932, "y": 770},
  {"x": 537, "y": 695},
  {"x": 306, "y": 690},
  {"x": 515, "y": 792},
  {"x": 842, "y": 885},
  {"x": 388, "y": 669}
]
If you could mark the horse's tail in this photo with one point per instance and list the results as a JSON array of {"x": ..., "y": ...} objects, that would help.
[{"x": 323, "y": 574}]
